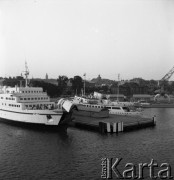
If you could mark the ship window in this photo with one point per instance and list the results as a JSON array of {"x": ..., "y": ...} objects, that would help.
[
  {"x": 32, "y": 98},
  {"x": 28, "y": 98},
  {"x": 35, "y": 98},
  {"x": 25, "y": 99},
  {"x": 28, "y": 91},
  {"x": 38, "y": 98},
  {"x": 1, "y": 97},
  {"x": 41, "y": 97},
  {"x": 115, "y": 107},
  {"x": 21, "y": 98},
  {"x": 22, "y": 91},
  {"x": 26, "y": 105},
  {"x": 107, "y": 107}
]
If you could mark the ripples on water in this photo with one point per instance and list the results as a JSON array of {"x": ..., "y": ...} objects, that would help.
[{"x": 32, "y": 154}]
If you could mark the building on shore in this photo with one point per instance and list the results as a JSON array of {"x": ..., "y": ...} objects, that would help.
[
  {"x": 142, "y": 97},
  {"x": 114, "y": 97}
]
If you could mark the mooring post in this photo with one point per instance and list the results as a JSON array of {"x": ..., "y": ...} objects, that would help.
[
  {"x": 108, "y": 125},
  {"x": 154, "y": 119}
]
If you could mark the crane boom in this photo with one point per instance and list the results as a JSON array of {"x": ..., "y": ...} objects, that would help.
[{"x": 168, "y": 75}]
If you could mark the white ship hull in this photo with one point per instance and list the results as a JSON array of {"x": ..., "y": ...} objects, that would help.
[{"x": 42, "y": 117}]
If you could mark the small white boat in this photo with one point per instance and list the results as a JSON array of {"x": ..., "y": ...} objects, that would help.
[{"x": 113, "y": 107}]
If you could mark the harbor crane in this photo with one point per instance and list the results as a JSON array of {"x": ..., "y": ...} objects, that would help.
[
  {"x": 161, "y": 92},
  {"x": 168, "y": 75}
]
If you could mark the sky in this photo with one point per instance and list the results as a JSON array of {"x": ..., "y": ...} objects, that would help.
[{"x": 133, "y": 38}]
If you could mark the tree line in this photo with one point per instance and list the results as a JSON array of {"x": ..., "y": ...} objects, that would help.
[
  {"x": 65, "y": 86},
  {"x": 72, "y": 86}
]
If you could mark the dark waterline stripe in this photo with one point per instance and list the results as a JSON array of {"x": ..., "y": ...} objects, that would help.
[{"x": 28, "y": 113}]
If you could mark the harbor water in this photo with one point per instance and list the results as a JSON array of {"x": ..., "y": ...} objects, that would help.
[{"x": 76, "y": 154}]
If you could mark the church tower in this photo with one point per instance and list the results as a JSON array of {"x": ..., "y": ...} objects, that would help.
[{"x": 46, "y": 77}]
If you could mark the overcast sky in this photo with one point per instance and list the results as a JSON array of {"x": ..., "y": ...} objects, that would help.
[{"x": 134, "y": 38}]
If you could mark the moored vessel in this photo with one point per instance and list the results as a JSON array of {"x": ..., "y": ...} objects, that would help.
[
  {"x": 113, "y": 107},
  {"x": 30, "y": 105}
]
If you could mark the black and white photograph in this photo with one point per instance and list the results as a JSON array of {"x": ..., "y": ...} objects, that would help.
[{"x": 86, "y": 89}]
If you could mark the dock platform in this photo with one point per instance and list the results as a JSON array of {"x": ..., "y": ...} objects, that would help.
[{"x": 112, "y": 124}]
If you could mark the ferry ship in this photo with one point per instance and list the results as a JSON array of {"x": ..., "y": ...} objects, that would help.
[{"x": 30, "y": 105}]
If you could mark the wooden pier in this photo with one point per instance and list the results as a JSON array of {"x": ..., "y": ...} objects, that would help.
[{"x": 112, "y": 124}]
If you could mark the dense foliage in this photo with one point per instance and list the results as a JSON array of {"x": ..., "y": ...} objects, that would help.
[{"x": 70, "y": 86}]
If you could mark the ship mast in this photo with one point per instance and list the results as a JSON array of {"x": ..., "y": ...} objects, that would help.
[
  {"x": 84, "y": 83},
  {"x": 118, "y": 87},
  {"x": 26, "y": 74}
]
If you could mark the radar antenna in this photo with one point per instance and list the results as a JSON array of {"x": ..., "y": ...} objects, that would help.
[{"x": 26, "y": 73}]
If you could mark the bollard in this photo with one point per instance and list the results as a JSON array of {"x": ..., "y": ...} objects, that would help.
[
  {"x": 114, "y": 127},
  {"x": 122, "y": 127},
  {"x": 119, "y": 126},
  {"x": 108, "y": 127},
  {"x": 154, "y": 120},
  {"x": 101, "y": 127}
]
